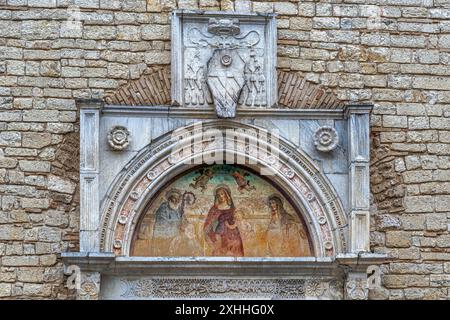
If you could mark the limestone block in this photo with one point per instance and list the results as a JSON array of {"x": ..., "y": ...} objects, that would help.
[
  {"x": 34, "y": 166},
  {"x": 398, "y": 239},
  {"x": 87, "y": 3},
  {"x": 33, "y": 203},
  {"x": 155, "y": 32},
  {"x": 286, "y": 8},
  {"x": 416, "y": 204},
  {"x": 436, "y": 222},
  {"x": 27, "y": 274},
  {"x": 99, "y": 32},
  {"x": 18, "y": 261},
  {"x": 40, "y": 29},
  {"x": 8, "y": 162},
  {"x": 36, "y": 140},
  {"x": 40, "y": 116},
  {"x": 59, "y": 184},
  {"x": 10, "y": 138},
  {"x": 48, "y": 234}
]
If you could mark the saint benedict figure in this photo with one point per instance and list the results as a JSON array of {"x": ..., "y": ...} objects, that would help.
[
  {"x": 285, "y": 235},
  {"x": 221, "y": 228},
  {"x": 167, "y": 222}
]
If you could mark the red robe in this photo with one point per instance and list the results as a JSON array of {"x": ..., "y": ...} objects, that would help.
[{"x": 221, "y": 223}]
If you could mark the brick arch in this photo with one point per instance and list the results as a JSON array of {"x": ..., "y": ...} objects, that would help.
[
  {"x": 294, "y": 91},
  {"x": 152, "y": 88}
]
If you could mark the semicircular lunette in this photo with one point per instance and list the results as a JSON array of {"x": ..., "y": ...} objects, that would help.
[{"x": 221, "y": 210}]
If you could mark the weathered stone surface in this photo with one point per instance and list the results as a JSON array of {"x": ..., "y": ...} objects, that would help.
[
  {"x": 155, "y": 32},
  {"x": 400, "y": 239},
  {"x": 11, "y": 233},
  {"x": 5, "y": 290},
  {"x": 20, "y": 261},
  {"x": 329, "y": 53},
  {"x": 36, "y": 140},
  {"x": 404, "y": 281},
  {"x": 58, "y": 184},
  {"x": 47, "y": 234}
]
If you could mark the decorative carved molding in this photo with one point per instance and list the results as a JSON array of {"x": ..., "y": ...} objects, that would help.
[
  {"x": 89, "y": 176},
  {"x": 152, "y": 88},
  {"x": 205, "y": 288},
  {"x": 356, "y": 289},
  {"x": 294, "y": 170},
  {"x": 295, "y": 92}
]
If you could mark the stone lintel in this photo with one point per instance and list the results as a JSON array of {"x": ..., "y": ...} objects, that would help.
[{"x": 107, "y": 263}]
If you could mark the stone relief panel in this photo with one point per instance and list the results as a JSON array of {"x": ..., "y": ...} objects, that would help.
[
  {"x": 90, "y": 286},
  {"x": 247, "y": 288},
  {"x": 132, "y": 288},
  {"x": 223, "y": 59},
  {"x": 221, "y": 210}
]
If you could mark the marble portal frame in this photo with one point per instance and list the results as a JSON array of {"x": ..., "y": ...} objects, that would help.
[{"x": 107, "y": 225}]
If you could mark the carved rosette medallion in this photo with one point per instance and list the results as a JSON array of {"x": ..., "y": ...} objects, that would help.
[
  {"x": 326, "y": 139},
  {"x": 119, "y": 138},
  {"x": 314, "y": 288}
]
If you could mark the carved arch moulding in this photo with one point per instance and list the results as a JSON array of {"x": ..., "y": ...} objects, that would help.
[{"x": 157, "y": 163}]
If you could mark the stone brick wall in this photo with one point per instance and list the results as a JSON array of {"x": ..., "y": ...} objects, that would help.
[{"x": 394, "y": 53}]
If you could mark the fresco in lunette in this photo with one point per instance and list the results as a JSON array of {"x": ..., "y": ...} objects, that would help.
[{"x": 221, "y": 210}]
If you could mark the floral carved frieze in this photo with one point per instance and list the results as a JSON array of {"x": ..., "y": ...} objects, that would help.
[
  {"x": 90, "y": 286},
  {"x": 204, "y": 288}
]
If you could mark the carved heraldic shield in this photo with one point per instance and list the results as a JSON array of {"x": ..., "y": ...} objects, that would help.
[{"x": 225, "y": 79}]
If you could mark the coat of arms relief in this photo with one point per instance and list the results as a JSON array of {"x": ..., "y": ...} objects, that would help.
[{"x": 225, "y": 60}]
